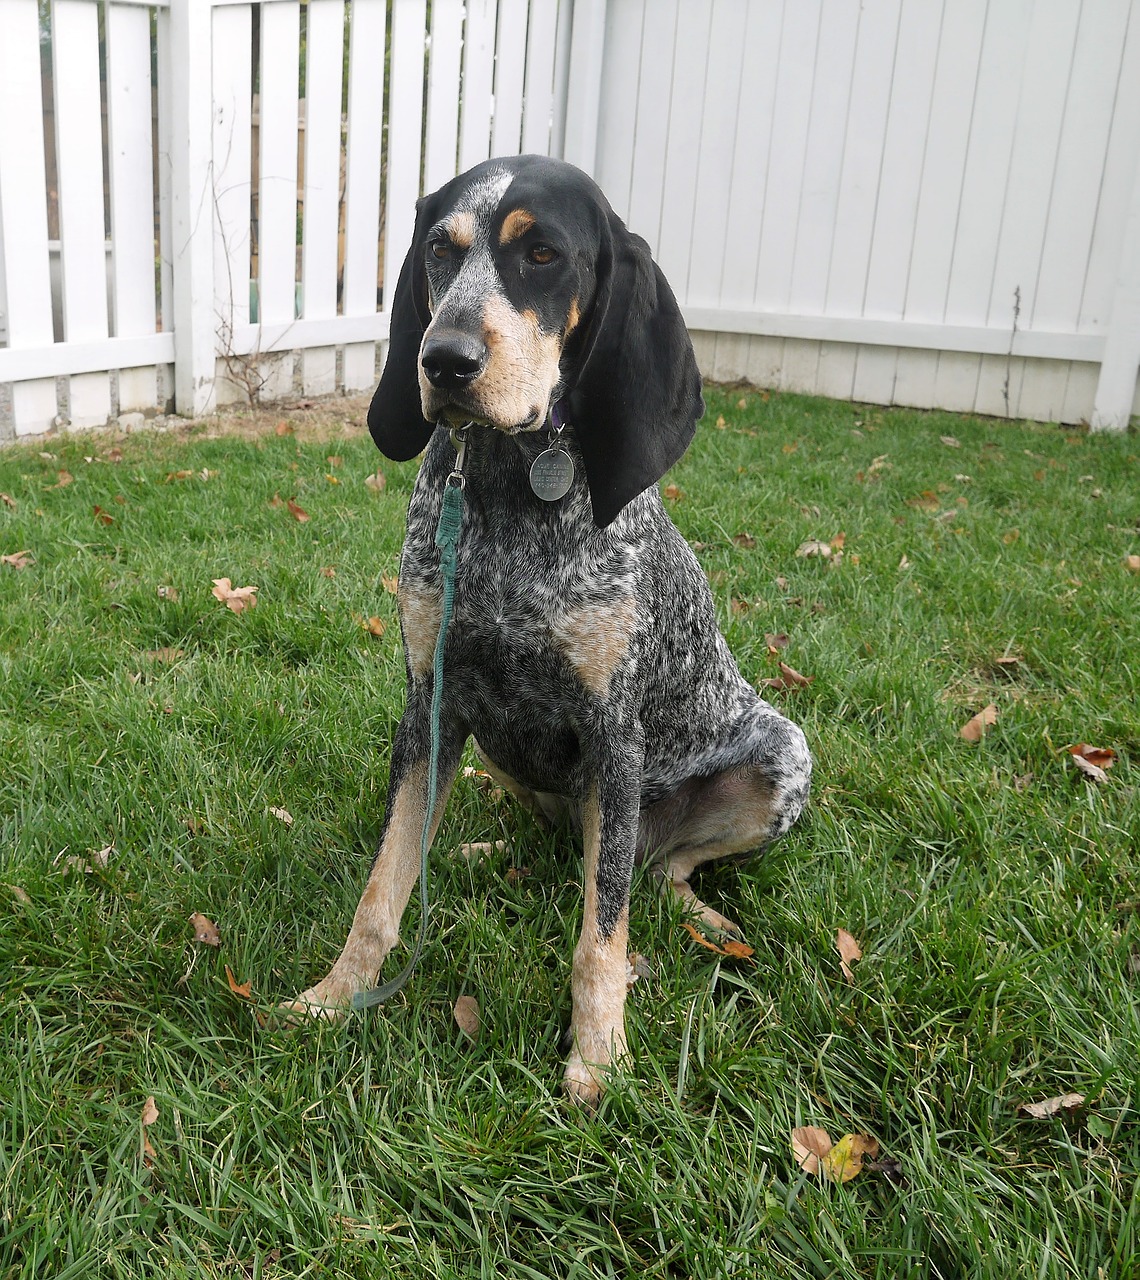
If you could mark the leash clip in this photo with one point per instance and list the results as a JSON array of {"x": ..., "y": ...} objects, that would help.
[{"x": 457, "y": 479}]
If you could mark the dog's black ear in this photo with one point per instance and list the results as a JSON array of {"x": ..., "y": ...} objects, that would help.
[
  {"x": 395, "y": 417},
  {"x": 637, "y": 398}
]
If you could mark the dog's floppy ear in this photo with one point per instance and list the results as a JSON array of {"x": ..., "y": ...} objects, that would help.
[
  {"x": 395, "y": 417},
  {"x": 637, "y": 398}
]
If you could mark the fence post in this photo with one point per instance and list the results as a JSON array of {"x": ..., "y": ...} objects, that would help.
[
  {"x": 1116, "y": 386},
  {"x": 186, "y": 64},
  {"x": 584, "y": 90}
]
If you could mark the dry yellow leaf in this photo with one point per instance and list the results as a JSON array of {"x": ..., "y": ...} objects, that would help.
[{"x": 845, "y": 1160}]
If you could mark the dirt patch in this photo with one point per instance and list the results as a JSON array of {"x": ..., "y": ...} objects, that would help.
[
  {"x": 328, "y": 418},
  {"x": 333, "y": 417}
]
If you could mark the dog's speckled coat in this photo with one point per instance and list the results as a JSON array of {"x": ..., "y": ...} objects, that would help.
[{"x": 583, "y": 654}]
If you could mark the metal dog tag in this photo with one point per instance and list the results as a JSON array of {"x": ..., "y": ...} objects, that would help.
[{"x": 552, "y": 474}]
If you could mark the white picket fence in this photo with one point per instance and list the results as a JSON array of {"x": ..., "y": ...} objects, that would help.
[{"x": 928, "y": 202}]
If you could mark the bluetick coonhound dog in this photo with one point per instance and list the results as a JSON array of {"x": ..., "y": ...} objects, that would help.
[{"x": 583, "y": 654}]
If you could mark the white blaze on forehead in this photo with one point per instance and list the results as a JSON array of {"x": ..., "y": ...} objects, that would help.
[{"x": 482, "y": 198}]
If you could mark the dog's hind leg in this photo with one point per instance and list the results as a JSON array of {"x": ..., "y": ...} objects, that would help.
[
  {"x": 743, "y": 806},
  {"x": 376, "y": 924}
]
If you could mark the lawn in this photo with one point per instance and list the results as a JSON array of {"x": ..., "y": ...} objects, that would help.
[{"x": 162, "y": 755}]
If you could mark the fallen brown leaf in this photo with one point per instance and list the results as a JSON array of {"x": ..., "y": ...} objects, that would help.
[
  {"x": 927, "y": 501},
  {"x": 11, "y": 502},
  {"x": 700, "y": 937},
  {"x": 19, "y": 894},
  {"x": 466, "y": 1015},
  {"x": 164, "y": 655},
  {"x": 205, "y": 930},
  {"x": 673, "y": 493},
  {"x": 481, "y": 850},
  {"x": 743, "y": 540},
  {"x": 63, "y": 479},
  {"x": 375, "y": 626},
  {"x": 297, "y": 511},
  {"x": 235, "y": 598},
  {"x": 1131, "y": 562},
  {"x": 18, "y": 559},
  {"x": 810, "y": 1146},
  {"x": 282, "y": 815},
  {"x": 1067, "y": 1102},
  {"x": 376, "y": 481},
  {"x": 950, "y": 442},
  {"x": 390, "y": 584},
  {"x": 738, "y": 950},
  {"x": 147, "y": 1117},
  {"x": 813, "y": 547},
  {"x": 167, "y": 593},
  {"x": 242, "y": 989},
  {"x": 849, "y": 951},
  {"x": 103, "y": 517},
  {"x": 1100, "y": 757},
  {"x": 789, "y": 678},
  {"x": 974, "y": 729},
  {"x": 327, "y": 571}
]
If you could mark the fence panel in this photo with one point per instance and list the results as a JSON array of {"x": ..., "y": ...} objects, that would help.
[
  {"x": 26, "y": 306},
  {"x": 441, "y": 146},
  {"x": 478, "y": 72},
  {"x": 404, "y": 109},
  {"x": 277, "y": 135},
  {"x": 895, "y": 201},
  {"x": 362, "y": 184},
  {"x": 82, "y": 232},
  {"x": 131, "y": 181},
  {"x": 230, "y": 35}
]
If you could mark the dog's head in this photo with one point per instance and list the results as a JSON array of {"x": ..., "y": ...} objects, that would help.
[{"x": 522, "y": 287}]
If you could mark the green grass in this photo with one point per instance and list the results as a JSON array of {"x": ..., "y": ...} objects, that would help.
[{"x": 994, "y": 891}]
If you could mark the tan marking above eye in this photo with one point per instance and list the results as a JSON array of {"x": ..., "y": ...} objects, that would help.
[
  {"x": 461, "y": 229},
  {"x": 517, "y": 223}
]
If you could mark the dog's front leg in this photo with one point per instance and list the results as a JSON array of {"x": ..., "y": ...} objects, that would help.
[
  {"x": 376, "y": 924},
  {"x": 598, "y": 983}
]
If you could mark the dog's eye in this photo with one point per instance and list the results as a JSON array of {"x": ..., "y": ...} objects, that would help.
[
  {"x": 440, "y": 249},
  {"x": 541, "y": 255}
]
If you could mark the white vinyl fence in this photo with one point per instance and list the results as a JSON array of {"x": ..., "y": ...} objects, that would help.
[{"x": 927, "y": 202}]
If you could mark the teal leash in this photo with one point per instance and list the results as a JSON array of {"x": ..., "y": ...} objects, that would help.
[{"x": 447, "y": 540}]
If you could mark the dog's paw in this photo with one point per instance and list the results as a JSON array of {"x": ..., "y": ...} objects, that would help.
[
  {"x": 583, "y": 1085},
  {"x": 318, "y": 1004}
]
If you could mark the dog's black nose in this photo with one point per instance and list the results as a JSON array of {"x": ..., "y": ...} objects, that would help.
[{"x": 452, "y": 359}]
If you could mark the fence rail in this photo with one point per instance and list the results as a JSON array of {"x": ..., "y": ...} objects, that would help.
[{"x": 893, "y": 201}]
